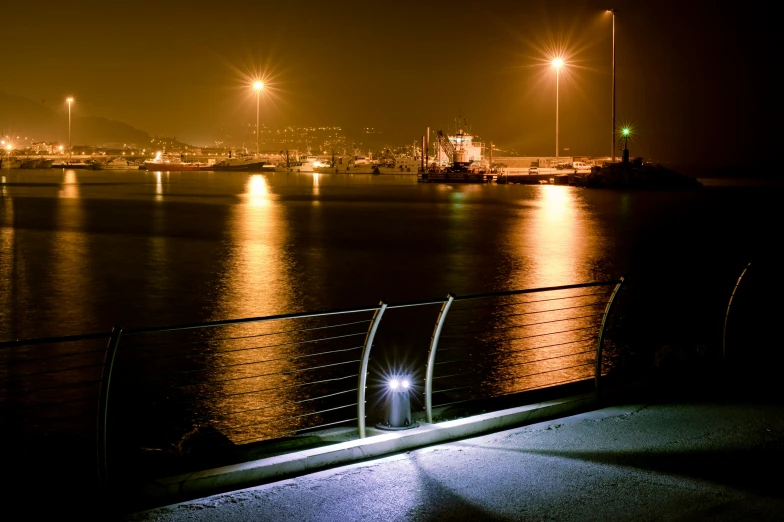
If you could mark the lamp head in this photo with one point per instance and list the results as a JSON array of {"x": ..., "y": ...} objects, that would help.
[
  {"x": 626, "y": 132},
  {"x": 69, "y": 100},
  {"x": 557, "y": 63},
  {"x": 258, "y": 85},
  {"x": 401, "y": 383}
]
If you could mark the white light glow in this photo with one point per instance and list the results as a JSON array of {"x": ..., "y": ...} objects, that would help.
[{"x": 394, "y": 384}]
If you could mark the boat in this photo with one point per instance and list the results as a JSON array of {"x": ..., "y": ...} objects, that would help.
[
  {"x": 72, "y": 165},
  {"x": 115, "y": 164},
  {"x": 307, "y": 163},
  {"x": 464, "y": 161},
  {"x": 36, "y": 163},
  {"x": 10, "y": 163},
  {"x": 240, "y": 162},
  {"x": 171, "y": 163}
]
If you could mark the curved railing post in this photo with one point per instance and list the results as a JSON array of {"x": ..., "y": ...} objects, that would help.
[
  {"x": 431, "y": 355},
  {"x": 600, "y": 342},
  {"x": 363, "y": 372},
  {"x": 103, "y": 402},
  {"x": 727, "y": 315}
]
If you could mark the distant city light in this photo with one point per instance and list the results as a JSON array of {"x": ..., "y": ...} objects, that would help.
[
  {"x": 557, "y": 63},
  {"x": 258, "y": 85}
]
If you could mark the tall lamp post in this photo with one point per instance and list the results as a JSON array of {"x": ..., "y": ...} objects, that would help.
[
  {"x": 70, "y": 101},
  {"x": 613, "y": 11},
  {"x": 258, "y": 85},
  {"x": 557, "y": 63}
]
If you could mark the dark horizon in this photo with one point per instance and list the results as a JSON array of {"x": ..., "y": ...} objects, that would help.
[{"x": 688, "y": 76}]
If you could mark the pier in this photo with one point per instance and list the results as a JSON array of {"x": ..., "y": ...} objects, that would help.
[{"x": 680, "y": 456}]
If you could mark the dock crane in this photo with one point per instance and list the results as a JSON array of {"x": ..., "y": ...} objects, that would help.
[{"x": 457, "y": 158}]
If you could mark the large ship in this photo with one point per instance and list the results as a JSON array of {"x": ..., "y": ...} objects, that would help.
[
  {"x": 462, "y": 161},
  {"x": 242, "y": 162},
  {"x": 170, "y": 163}
]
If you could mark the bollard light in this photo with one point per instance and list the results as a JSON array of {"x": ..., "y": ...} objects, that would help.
[{"x": 398, "y": 408}]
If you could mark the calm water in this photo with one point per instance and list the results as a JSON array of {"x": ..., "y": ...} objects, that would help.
[{"x": 83, "y": 250}]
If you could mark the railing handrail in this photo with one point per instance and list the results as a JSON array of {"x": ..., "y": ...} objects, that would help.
[
  {"x": 727, "y": 313},
  {"x": 535, "y": 290},
  {"x": 298, "y": 315},
  {"x": 261, "y": 319},
  {"x": 58, "y": 339}
]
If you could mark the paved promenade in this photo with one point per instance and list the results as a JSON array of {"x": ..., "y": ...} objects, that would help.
[{"x": 680, "y": 460}]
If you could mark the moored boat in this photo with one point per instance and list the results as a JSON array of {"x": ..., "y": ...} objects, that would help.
[
  {"x": 240, "y": 163},
  {"x": 171, "y": 163},
  {"x": 465, "y": 161},
  {"x": 36, "y": 163},
  {"x": 72, "y": 165},
  {"x": 116, "y": 164}
]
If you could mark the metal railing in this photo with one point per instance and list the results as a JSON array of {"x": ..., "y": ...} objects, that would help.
[
  {"x": 236, "y": 382},
  {"x": 566, "y": 326},
  {"x": 49, "y": 388},
  {"x": 727, "y": 314}
]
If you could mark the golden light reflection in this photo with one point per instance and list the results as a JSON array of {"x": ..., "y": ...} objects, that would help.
[
  {"x": 8, "y": 294},
  {"x": 257, "y": 190},
  {"x": 257, "y": 282},
  {"x": 70, "y": 186},
  {"x": 556, "y": 237},
  {"x": 158, "y": 187},
  {"x": 552, "y": 245},
  {"x": 316, "y": 190},
  {"x": 70, "y": 251}
]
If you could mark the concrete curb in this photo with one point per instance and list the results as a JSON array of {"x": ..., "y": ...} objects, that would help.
[{"x": 203, "y": 483}]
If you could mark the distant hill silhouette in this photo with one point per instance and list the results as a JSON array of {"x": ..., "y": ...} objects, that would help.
[{"x": 25, "y": 117}]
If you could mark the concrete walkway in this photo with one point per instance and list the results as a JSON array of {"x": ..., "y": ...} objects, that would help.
[{"x": 674, "y": 461}]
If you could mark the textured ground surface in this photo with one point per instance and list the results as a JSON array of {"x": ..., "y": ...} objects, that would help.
[{"x": 676, "y": 461}]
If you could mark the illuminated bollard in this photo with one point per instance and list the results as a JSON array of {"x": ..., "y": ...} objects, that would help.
[{"x": 398, "y": 414}]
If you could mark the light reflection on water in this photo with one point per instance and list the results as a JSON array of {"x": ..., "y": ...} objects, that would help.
[
  {"x": 257, "y": 282},
  {"x": 69, "y": 268}
]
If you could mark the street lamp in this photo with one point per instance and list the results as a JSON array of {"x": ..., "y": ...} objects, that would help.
[
  {"x": 613, "y": 11},
  {"x": 258, "y": 85},
  {"x": 70, "y": 101},
  {"x": 557, "y": 63}
]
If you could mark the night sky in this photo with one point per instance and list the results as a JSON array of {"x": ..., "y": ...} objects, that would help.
[{"x": 694, "y": 79}]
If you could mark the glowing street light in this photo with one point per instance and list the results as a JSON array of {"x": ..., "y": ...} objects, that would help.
[
  {"x": 557, "y": 63},
  {"x": 258, "y": 86},
  {"x": 613, "y": 11},
  {"x": 70, "y": 101}
]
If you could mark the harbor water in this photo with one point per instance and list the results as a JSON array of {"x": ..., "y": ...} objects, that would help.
[{"x": 83, "y": 250}]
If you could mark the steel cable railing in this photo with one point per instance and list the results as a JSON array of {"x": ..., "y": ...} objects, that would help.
[
  {"x": 49, "y": 390},
  {"x": 176, "y": 390},
  {"x": 488, "y": 354}
]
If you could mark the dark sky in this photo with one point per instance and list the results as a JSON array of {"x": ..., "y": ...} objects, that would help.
[{"x": 693, "y": 77}]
